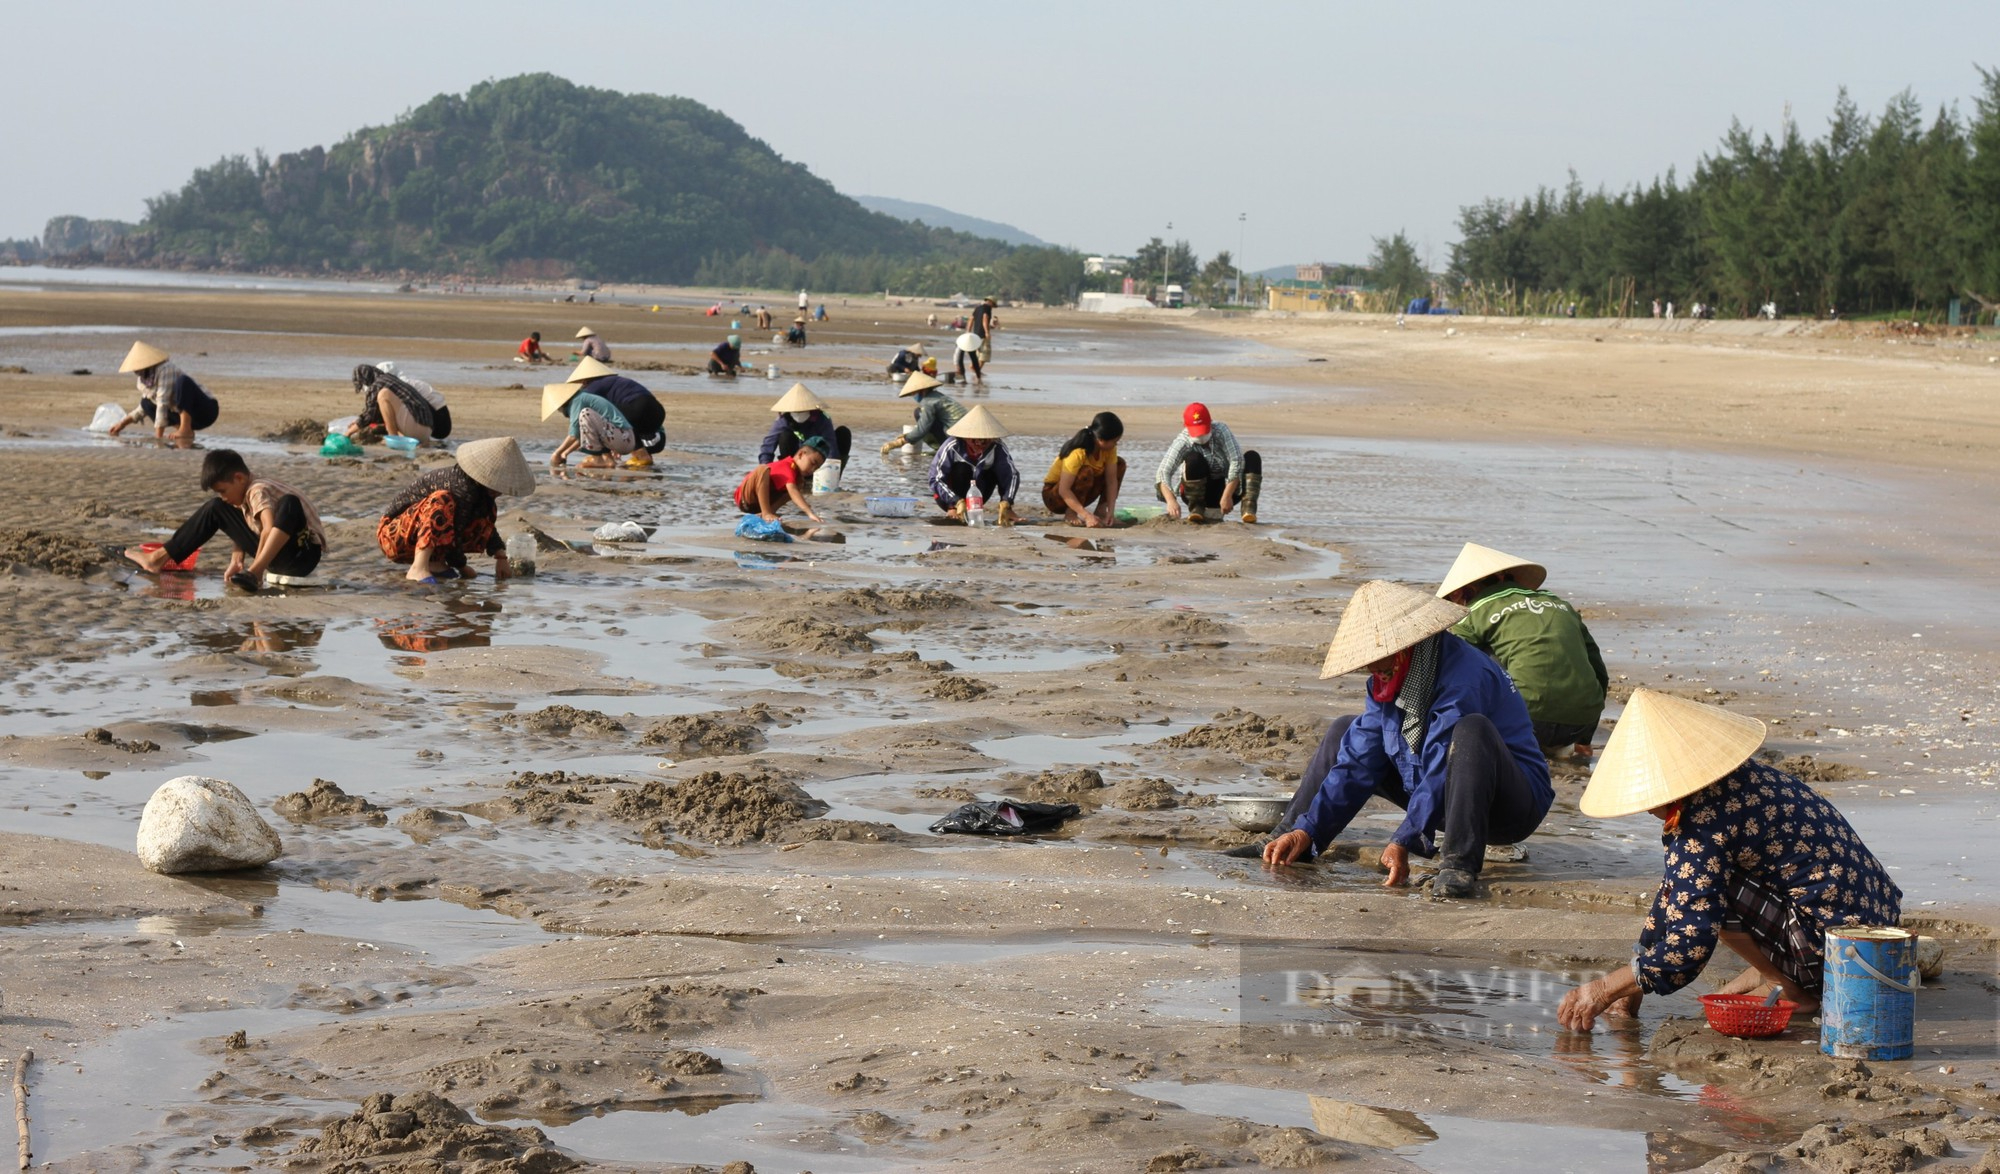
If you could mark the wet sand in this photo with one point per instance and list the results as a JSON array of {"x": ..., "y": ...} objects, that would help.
[{"x": 651, "y": 871}]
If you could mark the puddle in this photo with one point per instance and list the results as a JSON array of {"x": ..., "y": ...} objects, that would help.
[
  {"x": 768, "y": 1136},
  {"x": 981, "y": 649},
  {"x": 1463, "y": 1144},
  {"x": 943, "y": 951}
]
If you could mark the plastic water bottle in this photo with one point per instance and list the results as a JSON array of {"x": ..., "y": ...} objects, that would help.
[
  {"x": 975, "y": 512},
  {"x": 521, "y": 551},
  {"x": 771, "y": 372}
]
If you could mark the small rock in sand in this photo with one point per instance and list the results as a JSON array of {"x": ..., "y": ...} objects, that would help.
[
  {"x": 959, "y": 689},
  {"x": 1063, "y": 786},
  {"x": 428, "y": 823},
  {"x": 196, "y": 824},
  {"x": 563, "y": 720},
  {"x": 325, "y": 800},
  {"x": 422, "y": 1130},
  {"x": 1146, "y": 795}
]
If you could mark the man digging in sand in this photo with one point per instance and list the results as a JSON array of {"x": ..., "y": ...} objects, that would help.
[
  {"x": 1443, "y": 735},
  {"x": 1537, "y": 637},
  {"x": 267, "y": 520},
  {"x": 1207, "y": 469},
  {"x": 1755, "y": 859}
]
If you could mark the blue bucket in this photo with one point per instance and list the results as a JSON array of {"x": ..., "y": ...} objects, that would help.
[{"x": 1868, "y": 1010}]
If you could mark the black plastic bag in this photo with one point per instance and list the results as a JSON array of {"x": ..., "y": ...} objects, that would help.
[{"x": 1006, "y": 817}]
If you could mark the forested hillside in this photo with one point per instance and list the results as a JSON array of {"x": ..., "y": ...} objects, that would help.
[{"x": 537, "y": 176}]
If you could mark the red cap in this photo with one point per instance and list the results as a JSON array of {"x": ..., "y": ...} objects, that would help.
[{"x": 1196, "y": 419}]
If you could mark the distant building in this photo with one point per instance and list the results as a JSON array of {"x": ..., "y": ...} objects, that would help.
[
  {"x": 1105, "y": 264},
  {"x": 1314, "y": 273},
  {"x": 1300, "y": 295}
]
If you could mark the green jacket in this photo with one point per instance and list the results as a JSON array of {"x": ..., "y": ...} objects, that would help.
[{"x": 1542, "y": 643}]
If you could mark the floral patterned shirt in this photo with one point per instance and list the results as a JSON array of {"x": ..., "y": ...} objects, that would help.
[{"x": 1760, "y": 821}]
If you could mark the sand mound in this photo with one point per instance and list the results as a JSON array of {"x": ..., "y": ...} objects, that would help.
[
  {"x": 805, "y": 634},
  {"x": 716, "y": 808},
  {"x": 58, "y": 554},
  {"x": 1243, "y": 734},
  {"x": 566, "y": 720},
  {"x": 422, "y": 1130},
  {"x": 959, "y": 689},
  {"x": 1069, "y": 786},
  {"x": 1146, "y": 795},
  {"x": 325, "y": 800},
  {"x": 304, "y": 430},
  {"x": 890, "y": 601},
  {"x": 1813, "y": 770},
  {"x": 666, "y": 1008},
  {"x": 699, "y": 735},
  {"x": 1168, "y": 625}
]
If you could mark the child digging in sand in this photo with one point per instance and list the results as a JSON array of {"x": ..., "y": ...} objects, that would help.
[
  {"x": 764, "y": 489},
  {"x": 268, "y": 521}
]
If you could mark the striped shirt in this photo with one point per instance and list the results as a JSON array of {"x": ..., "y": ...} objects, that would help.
[{"x": 1221, "y": 442}]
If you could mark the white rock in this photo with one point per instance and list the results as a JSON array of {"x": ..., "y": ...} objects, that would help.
[{"x": 194, "y": 824}]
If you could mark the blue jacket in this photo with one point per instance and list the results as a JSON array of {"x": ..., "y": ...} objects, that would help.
[{"x": 1374, "y": 760}]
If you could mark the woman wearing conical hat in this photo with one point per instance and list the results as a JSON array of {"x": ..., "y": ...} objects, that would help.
[
  {"x": 168, "y": 396},
  {"x": 609, "y": 416},
  {"x": 932, "y": 418},
  {"x": 799, "y": 414},
  {"x": 1756, "y": 859},
  {"x": 1537, "y": 637},
  {"x": 1443, "y": 735},
  {"x": 973, "y": 465},
  {"x": 593, "y": 346},
  {"x": 447, "y": 514},
  {"x": 910, "y": 358}
]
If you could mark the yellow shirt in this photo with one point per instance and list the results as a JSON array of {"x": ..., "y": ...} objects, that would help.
[{"x": 1077, "y": 461}]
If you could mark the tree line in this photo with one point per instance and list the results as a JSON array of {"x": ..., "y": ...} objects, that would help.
[{"x": 1890, "y": 214}]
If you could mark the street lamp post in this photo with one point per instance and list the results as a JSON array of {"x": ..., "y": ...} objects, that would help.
[
  {"x": 1166, "y": 255},
  {"x": 1242, "y": 220}
]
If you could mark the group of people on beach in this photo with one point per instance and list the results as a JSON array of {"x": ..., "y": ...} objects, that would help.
[
  {"x": 1474, "y": 687},
  {"x": 1471, "y": 688}
]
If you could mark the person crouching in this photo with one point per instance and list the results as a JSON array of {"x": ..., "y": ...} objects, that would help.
[
  {"x": 764, "y": 489},
  {"x": 268, "y": 522},
  {"x": 973, "y": 463},
  {"x": 446, "y": 514}
]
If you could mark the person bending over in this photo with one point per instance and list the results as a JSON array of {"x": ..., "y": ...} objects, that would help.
[{"x": 269, "y": 523}]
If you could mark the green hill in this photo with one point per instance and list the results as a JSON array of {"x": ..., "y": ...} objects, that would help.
[{"x": 535, "y": 176}]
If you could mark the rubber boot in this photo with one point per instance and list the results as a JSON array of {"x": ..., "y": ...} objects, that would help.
[
  {"x": 1196, "y": 493},
  {"x": 1253, "y": 483}
]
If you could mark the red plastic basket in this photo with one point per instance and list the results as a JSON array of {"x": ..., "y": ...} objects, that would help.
[
  {"x": 186, "y": 564},
  {"x": 1746, "y": 1016}
]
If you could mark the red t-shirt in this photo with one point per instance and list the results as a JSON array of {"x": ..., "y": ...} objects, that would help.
[
  {"x": 784, "y": 474},
  {"x": 530, "y": 348}
]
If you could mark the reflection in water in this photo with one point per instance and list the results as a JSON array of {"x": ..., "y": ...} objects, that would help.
[
  {"x": 1075, "y": 542},
  {"x": 467, "y": 624},
  {"x": 261, "y": 636}
]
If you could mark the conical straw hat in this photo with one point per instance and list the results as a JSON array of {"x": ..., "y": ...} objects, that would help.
[
  {"x": 978, "y": 424},
  {"x": 915, "y": 348},
  {"x": 555, "y": 396},
  {"x": 497, "y": 464},
  {"x": 1476, "y": 562},
  {"x": 584, "y": 332},
  {"x": 799, "y": 399},
  {"x": 918, "y": 382},
  {"x": 1382, "y": 619},
  {"x": 1666, "y": 748},
  {"x": 141, "y": 356},
  {"x": 970, "y": 341},
  {"x": 587, "y": 370}
]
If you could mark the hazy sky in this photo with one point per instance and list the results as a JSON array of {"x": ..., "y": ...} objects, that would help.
[{"x": 1088, "y": 124}]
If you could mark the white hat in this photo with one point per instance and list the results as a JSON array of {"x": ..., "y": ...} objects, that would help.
[
  {"x": 918, "y": 381},
  {"x": 1476, "y": 562},
  {"x": 1381, "y": 620},
  {"x": 497, "y": 464},
  {"x": 584, "y": 332},
  {"x": 799, "y": 399},
  {"x": 555, "y": 396},
  {"x": 1666, "y": 748},
  {"x": 587, "y": 370},
  {"x": 978, "y": 424},
  {"x": 141, "y": 357},
  {"x": 915, "y": 348},
  {"x": 969, "y": 341}
]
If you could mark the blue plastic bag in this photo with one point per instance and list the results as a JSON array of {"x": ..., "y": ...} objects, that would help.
[{"x": 759, "y": 530}]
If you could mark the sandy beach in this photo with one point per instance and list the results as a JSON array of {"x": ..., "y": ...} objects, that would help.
[{"x": 643, "y": 878}]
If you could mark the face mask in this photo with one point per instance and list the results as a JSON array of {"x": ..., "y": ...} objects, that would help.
[
  {"x": 799, "y": 417},
  {"x": 1202, "y": 440}
]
